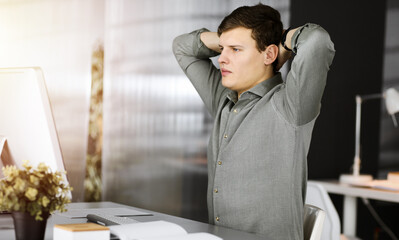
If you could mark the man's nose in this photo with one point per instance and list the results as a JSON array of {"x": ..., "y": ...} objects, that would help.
[{"x": 223, "y": 58}]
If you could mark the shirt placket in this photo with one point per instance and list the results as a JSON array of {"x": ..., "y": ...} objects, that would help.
[{"x": 225, "y": 139}]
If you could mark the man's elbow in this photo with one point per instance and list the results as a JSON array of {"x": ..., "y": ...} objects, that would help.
[
  {"x": 321, "y": 39},
  {"x": 176, "y": 45},
  {"x": 321, "y": 46}
]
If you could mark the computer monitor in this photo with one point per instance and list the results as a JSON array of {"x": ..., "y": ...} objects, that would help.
[{"x": 27, "y": 129}]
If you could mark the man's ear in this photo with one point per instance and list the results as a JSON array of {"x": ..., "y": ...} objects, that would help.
[{"x": 270, "y": 54}]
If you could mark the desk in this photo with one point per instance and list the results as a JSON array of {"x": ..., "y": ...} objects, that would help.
[
  {"x": 351, "y": 194},
  {"x": 189, "y": 225}
]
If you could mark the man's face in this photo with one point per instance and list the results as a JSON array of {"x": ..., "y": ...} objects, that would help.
[{"x": 241, "y": 64}]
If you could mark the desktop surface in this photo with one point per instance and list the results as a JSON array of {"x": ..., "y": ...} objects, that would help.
[
  {"x": 350, "y": 194},
  {"x": 335, "y": 187},
  {"x": 7, "y": 232}
]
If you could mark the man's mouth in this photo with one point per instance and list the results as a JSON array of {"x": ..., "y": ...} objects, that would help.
[{"x": 225, "y": 72}]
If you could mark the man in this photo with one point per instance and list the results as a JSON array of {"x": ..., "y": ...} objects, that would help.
[{"x": 257, "y": 166}]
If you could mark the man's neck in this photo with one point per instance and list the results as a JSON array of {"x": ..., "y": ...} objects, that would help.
[{"x": 268, "y": 75}]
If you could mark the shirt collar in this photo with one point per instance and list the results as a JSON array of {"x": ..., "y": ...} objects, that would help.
[
  {"x": 264, "y": 87},
  {"x": 260, "y": 89},
  {"x": 232, "y": 96}
]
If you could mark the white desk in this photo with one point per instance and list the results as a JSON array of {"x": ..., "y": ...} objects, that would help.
[
  {"x": 350, "y": 202},
  {"x": 7, "y": 232}
]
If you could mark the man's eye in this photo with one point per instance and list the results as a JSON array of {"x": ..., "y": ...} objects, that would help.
[
  {"x": 236, "y": 49},
  {"x": 221, "y": 48}
]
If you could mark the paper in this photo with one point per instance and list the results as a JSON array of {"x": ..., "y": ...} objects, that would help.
[
  {"x": 157, "y": 230},
  {"x": 143, "y": 230},
  {"x": 120, "y": 212},
  {"x": 191, "y": 236}
]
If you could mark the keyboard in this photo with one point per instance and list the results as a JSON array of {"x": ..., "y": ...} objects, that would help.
[{"x": 109, "y": 219}]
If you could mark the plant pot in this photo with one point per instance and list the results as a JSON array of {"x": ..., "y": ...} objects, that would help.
[{"x": 26, "y": 227}]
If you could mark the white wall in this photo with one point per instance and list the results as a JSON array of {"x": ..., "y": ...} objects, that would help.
[{"x": 57, "y": 36}]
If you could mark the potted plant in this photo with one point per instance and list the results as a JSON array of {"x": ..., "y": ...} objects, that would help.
[{"x": 31, "y": 195}]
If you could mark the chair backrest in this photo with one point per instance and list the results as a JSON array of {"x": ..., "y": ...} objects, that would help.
[
  {"x": 313, "y": 220},
  {"x": 317, "y": 196}
]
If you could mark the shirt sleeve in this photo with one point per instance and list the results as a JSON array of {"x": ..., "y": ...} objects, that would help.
[
  {"x": 299, "y": 98},
  {"x": 193, "y": 58}
]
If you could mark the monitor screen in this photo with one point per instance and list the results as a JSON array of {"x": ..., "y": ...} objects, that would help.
[{"x": 27, "y": 129}]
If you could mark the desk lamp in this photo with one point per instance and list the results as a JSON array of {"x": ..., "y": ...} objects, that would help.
[{"x": 392, "y": 104}]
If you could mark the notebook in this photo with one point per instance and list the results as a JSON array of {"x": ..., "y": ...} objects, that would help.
[{"x": 82, "y": 213}]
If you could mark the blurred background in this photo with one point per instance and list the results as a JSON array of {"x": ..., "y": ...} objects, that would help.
[{"x": 154, "y": 127}]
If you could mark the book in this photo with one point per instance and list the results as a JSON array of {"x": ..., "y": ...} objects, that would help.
[
  {"x": 157, "y": 230},
  {"x": 385, "y": 185},
  {"x": 393, "y": 177},
  {"x": 389, "y": 185},
  {"x": 80, "y": 231}
]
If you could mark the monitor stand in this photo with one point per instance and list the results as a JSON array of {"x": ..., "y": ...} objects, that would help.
[
  {"x": 5, "y": 155},
  {"x": 4, "y": 159}
]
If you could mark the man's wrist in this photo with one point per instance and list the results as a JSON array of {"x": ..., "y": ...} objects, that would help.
[{"x": 284, "y": 39}]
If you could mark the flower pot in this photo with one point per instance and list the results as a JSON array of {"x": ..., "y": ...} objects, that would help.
[{"x": 26, "y": 227}]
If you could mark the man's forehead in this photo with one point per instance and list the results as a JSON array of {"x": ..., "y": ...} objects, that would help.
[{"x": 237, "y": 36}]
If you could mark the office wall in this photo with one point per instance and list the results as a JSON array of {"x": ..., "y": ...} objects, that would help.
[
  {"x": 59, "y": 36},
  {"x": 357, "y": 69},
  {"x": 156, "y": 128},
  {"x": 365, "y": 63},
  {"x": 389, "y": 135},
  {"x": 388, "y": 159}
]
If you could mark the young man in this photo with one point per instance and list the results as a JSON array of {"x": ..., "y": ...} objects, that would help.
[{"x": 257, "y": 154}]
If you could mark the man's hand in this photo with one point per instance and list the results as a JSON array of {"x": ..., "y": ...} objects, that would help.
[
  {"x": 211, "y": 40},
  {"x": 283, "y": 54}
]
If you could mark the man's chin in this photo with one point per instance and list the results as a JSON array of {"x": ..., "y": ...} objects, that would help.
[{"x": 226, "y": 83}]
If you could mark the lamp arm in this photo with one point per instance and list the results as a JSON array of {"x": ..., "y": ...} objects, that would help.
[
  {"x": 356, "y": 163},
  {"x": 370, "y": 96},
  {"x": 395, "y": 123},
  {"x": 359, "y": 100}
]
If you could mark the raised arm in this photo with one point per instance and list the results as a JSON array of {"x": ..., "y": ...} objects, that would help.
[
  {"x": 284, "y": 54},
  {"x": 299, "y": 101},
  {"x": 192, "y": 52},
  {"x": 211, "y": 40}
]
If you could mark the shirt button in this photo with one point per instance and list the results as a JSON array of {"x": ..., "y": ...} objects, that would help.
[
  {"x": 219, "y": 162},
  {"x": 235, "y": 110},
  {"x": 217, "y": 219},
  {"x": 216, "y": 190},
  {"x": 225, "y": 136}
]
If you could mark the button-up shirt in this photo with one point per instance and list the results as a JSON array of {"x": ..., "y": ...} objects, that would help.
[{"x": 257, "y": 153}]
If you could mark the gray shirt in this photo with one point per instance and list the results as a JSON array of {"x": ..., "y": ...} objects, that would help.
[{"x": 257, "y": 153}]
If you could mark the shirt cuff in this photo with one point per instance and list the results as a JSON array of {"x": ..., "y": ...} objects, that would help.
[{"x": 202, "y": 51}]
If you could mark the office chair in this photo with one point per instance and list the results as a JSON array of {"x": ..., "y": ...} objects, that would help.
[
  {"x": 316, "y": 195},
  {"x": 313, "y": 220}
]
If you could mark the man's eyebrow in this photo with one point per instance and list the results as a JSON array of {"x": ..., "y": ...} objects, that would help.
[{"x": 232, "y": 46}]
